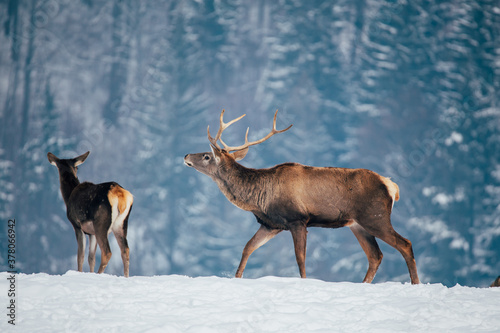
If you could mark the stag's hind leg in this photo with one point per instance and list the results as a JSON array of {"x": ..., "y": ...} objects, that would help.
[
  {"x": 261, "y": 237},
  {"x": 382, "y": 228},
  {"x": 372, "y": 251},
  {"x": 404, "y": 246}
]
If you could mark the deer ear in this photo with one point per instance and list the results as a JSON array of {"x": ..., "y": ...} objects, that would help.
[
  {"x": 52, "y": 158},
  {"x": 216, "y": 152},
  {"x": 80, "y": 159},
  {"x": 240, "y": 154}
]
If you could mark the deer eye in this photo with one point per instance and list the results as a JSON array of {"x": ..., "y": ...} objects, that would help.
[{"x": 206, "y": 157}]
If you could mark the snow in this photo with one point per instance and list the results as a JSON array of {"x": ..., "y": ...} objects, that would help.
[
  {"x": 87, "y": 302},
  {"x": 455, "y": 137}
]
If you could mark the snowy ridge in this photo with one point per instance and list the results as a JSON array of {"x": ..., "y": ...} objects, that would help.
[{"x": 86, "y": 302}]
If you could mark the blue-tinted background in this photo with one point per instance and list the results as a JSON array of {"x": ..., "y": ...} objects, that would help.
[{"x": 408, "y": 89}]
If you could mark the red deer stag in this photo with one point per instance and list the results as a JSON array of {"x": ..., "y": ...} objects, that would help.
[
  {"x": 94, "y": 210},
  {"x": 293, "y": 197}
]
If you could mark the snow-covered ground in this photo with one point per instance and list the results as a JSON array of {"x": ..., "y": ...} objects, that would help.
[{"x": 86, "y": 302}]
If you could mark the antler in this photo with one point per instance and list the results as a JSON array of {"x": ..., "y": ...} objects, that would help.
[
  {"x": 222, "y": 127},
  {"x": 247, "y": 144}
]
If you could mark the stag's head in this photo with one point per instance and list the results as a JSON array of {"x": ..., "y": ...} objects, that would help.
[{"x": 210, "y": 163}]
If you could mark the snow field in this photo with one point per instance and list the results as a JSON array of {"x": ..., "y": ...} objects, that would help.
[{"x": 86, "y": 302}]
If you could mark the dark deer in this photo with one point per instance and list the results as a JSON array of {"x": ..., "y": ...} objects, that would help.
[
  {"x": 293, "y": 197},
  {"x": 496, "y": 283},
  {"x": 94, "y": 210}
]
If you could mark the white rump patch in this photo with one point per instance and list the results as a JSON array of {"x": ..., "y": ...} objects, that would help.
[
  {"x": 392, "y": 188},
  {"x": 117, "y": 217}
]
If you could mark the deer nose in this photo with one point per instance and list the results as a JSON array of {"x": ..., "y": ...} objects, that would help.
[{"x": 189, "y": 164}]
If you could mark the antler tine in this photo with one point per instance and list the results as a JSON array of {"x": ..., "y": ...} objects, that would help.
[
  {"x": 275, "y": 131},
  {"x": 248, "y": 144},
  {"x": 222, "y": 127},
  {"x": 228, "y": 148}
]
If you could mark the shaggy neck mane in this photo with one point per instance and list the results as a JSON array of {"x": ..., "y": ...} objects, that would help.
[{"x": 244, "y": 187}]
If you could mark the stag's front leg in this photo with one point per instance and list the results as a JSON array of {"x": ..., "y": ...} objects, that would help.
[
  {"x": 80, "y": 239},
  {"x": 299, "y": 235},
  {"x": 261, "y": 237}
]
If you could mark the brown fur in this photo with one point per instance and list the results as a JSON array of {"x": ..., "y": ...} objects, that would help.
[
  {"x": 293, "y": 197},
  {"x": 89, "y": 217}
]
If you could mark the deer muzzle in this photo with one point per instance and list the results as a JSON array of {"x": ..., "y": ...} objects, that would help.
[{"x": 187, "y": 162}]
